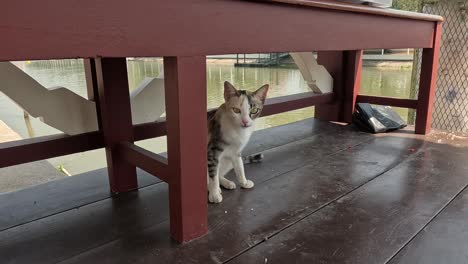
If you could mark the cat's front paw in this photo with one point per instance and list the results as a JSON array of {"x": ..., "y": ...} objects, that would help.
[
  {"x": 215, "y": 197},
  {"x": 247, "y": 184}
]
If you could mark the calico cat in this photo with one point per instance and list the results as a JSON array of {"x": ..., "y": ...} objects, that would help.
[{"x": 229, "y": 130}]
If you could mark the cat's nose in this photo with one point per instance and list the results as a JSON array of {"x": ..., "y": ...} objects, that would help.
[{"x": 244, "y": 122}]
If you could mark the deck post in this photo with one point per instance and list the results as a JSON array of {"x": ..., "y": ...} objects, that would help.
[
  {"x": 115, "y": 116},
  {"x": 352, "y": 82},
  {"x": 185, "y": 91},
  {"x": 427, "y": 84},
  {"x": 345, "y": 68}
]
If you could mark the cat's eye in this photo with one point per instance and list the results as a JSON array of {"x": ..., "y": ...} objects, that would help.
[
  {"x": 254, "y": 110},
  {"x": 236, "y": 110}
]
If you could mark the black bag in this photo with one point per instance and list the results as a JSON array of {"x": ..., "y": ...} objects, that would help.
[{"x": 376, "y": 118}]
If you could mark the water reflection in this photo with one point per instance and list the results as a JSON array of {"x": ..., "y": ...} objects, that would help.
[{"x": 70, "y": 73}]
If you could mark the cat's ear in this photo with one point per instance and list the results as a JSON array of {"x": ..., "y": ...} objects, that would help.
[
  {"x": 261, "y": 93},
  {"x": 229, "y": 90}
]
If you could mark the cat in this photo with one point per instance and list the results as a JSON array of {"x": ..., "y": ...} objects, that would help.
[{"x": 229, "y": 130}]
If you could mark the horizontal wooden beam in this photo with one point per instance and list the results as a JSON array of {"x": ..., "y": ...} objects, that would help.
[
  {"x": 33, "y": 149},
  {"x": 144, "y": 159},
  {"x": 39, "y": 148},
  {"x": 150, "y": 130},
  {"x": 111, "y": 31},
  {"x": 272, "y": 106},
  {"x": 296, "y": 101},
  {"x": 396, "y": 102}
]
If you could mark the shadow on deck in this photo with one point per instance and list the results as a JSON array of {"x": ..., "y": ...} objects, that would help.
[{"x": 325, "y": 193}]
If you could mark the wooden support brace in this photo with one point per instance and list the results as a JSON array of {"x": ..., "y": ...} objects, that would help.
[
  {"x": 146, "y": 160},
  {"x": 185, "y": 85},
  {"x": 116, "y": 120}
]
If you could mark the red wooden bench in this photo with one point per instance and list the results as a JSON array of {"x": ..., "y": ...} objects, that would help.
[{"x": 184, "y": 32}]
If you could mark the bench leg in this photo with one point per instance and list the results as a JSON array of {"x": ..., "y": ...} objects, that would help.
[
  {"x": 115, "y": 121},
  {"x": 427, "y": 84},
  {"x": 345, "y": 68},
  {"x": 185, "y": 89}
]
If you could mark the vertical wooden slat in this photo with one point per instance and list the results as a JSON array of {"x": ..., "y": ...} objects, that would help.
[
  {"x": 116, "y": 120},
  {"x": 352, "y": 84},
  {"x": 427, "y": 84},
  {"x": 185, "y": 86}
]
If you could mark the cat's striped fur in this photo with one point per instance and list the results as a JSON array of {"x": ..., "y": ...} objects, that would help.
[{"x": 230, "y": 128}]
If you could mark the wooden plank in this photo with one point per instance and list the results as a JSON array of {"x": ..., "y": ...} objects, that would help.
[
  {"x": 116, "y": 120},
  {"x": 296, "y": 101},
  {"x": 54, "y": 197},
  {"x": 103, "y": 220},
  {"x": 278, "y": 161},
  {"x": 444, "y": 240},
  {"x": 33, "y": 149},
  {"x": 146, "y": 160},
  {"x": 361, "y": 9},
  {"x": 371, "y": 224},
  {"x": 246, "y": 218},
  {"x": 92, "y": 186},
  {"x": 100, "y": 31},
  {"x": 427, "y": 84},
  {"x": 391, "y": 101},
  {"x": 187, "y": 130}
]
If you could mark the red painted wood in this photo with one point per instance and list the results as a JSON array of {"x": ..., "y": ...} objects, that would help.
[
  {"x": 296, "y": 101},
  {"x": 185, "y": 86},
  {"x": 179, "y": 28},
  {"x": 396, "y": 102},
  {"x": 116, "y": 120},
  {"x": 33, "y": 149},
  {"x": 352, "y": 85},
  {"x": 146, "y": 160},
  {"x": 345, "y": 68},
  {"x": 333, "y": 62},
  {"x": 427, "y": 84}
]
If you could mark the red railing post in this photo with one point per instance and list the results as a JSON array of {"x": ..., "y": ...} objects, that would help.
[
  {"x": 116, "y": 120},
  {"x": 427, "y": 83},
  {"x": 185, "y": 86}
]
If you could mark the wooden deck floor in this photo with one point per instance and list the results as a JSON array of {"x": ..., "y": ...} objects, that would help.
[{"x": 325, "y": 193}]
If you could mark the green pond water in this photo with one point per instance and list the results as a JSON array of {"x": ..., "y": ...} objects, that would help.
[{"x": 375, "y": 81}]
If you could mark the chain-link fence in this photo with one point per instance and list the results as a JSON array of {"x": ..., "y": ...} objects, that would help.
[{"x": 451, "y": 103}]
